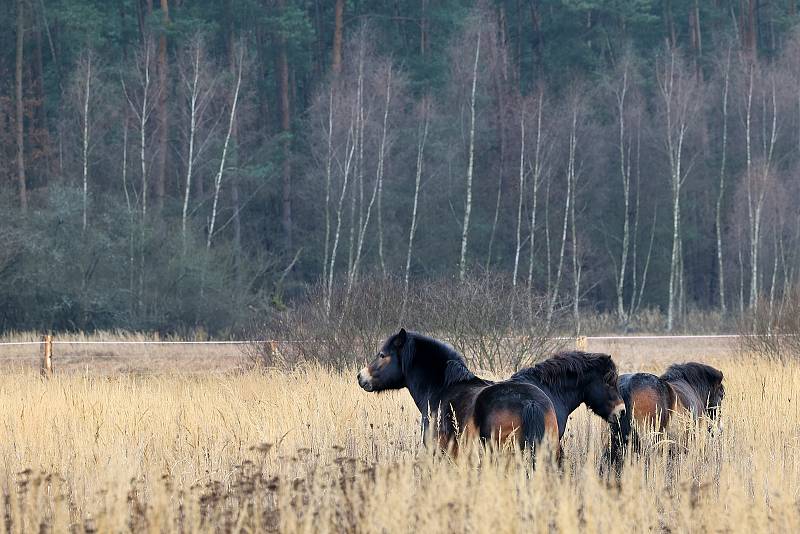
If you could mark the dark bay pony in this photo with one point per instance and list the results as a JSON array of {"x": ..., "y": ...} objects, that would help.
[
  {"x": 565, "y": 381},
  {"x": 441, "y": 385},
  {"x": 437, "y": 378},
  {"x": 651, "y": 401}
]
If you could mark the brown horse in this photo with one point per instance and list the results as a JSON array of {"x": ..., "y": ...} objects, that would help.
[
  {"x": 530, "y": 407},
  {"x": 652, "y": 401},
  {"x": 565, "y": 380}
]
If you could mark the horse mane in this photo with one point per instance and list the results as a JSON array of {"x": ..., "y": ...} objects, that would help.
[
  {"x": 699, "y": 375},
  {"x": 558, "y": 367},
  {"x": 456, "y": 369}
]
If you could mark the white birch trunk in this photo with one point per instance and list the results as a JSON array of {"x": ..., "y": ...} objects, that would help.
[
  {"x": 521, "y": 194},
  {"x": 328, "y": 164},
  {"x": 576, "y": 265},
  {"x": 468, "y": 207},
  {"x": 221, "y": 170},
  {"x": 625, "y": 173},
  {"x": 422, "y": 138},
  {"x": 87, "y": 92},
  {"x": 362, "y": 231},
  {"x": 567, "y": 209},
  {"x": 677, "y": 102},
  {"x": 345, "y": 178},
  {"x": 721, "y": 195},
  {"x": 193, "y": 98},
  {"x": 537, "y": 175},
  {"x": 758, "y": 209}
]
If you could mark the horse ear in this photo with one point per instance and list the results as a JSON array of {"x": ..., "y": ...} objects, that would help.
[{"x": 401, "y": 338}]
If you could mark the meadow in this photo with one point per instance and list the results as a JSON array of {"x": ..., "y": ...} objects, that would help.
[{"x": 307, "y": 450}]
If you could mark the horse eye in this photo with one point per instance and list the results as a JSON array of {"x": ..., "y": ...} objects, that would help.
[{"x": 383, "y": 355}]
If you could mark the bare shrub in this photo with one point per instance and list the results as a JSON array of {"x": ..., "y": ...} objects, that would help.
[
  {"x": 773, "y": 331},
  {"x": 495, "y": 325}
]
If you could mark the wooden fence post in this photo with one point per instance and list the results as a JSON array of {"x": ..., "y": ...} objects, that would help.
[
  {"x": 274, "y": 352},
  {"x": 581, "y": 343},
  {"x": 47, "y": 356}
]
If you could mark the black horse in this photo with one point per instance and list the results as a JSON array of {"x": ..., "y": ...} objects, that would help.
[
  {"x": 651, "y": 401},
  {"x": 436, "y": 376},
  {"x": 441, "y": 385},
  {"x": 553, "y": 388}
]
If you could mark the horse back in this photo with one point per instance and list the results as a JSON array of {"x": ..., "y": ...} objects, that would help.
[{"x": 648, "y": 399}]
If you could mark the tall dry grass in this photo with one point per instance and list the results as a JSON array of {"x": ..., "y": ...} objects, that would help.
[{"x": 309, "y": 451}]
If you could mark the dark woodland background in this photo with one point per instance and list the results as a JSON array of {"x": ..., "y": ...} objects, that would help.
[{"x": 175, "y": 165}]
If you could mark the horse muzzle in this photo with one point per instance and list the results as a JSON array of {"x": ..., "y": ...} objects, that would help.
[
  {"x": 365, "y": 379},
  {"x": 617, "y": 412}
]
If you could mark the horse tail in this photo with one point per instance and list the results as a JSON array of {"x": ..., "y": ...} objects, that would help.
[{"x": 533, "y": 424}]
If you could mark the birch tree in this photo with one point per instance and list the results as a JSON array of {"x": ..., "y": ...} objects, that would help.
[
  {"x": 538, "y": 165},
  {"x": 198, "y": 85},
  {"x": 84, "y": 87},
  {"x": 570, "y": 177},
  {"x": 142, "y": 105},
  {"x": 721, "y": 193},
  {"x": 141, "y": 99},
  {"x": 422, "y": 138},
  {"x": 221, "y": 169},
  {"x": 679, "y": 93},
  {"x": 521, "y": 186},
  {"x": 381, "y": 156},
  {"x": 462, "y": 266},
  {"x": 759, "y": 174},
  {"x": 621, "y": 90}
]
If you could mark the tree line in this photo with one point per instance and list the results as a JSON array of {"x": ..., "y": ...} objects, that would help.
[{"x": 181, "y": 165}]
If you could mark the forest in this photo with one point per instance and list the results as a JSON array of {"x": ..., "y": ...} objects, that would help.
[{"x": 173, "y": 165}]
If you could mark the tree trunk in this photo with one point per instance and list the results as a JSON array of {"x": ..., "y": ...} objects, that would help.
[
  {"x": 328, "y": 172},
  {"x": 537, "y": 175},
  {"x": 163, "y": 115},
  {"x": 286, "y": 133},
  {"x": 231, "y": 121},
  {"x": 422, "y": 137},
  {"x": 20, "y": 115},
  {"x": 721, "y": 194},
  {"x": 363, "y": 225},
  {"x": 338, "y": 31},
  {"x": 345, "y": 179},
  {"x": 423, "y": 28},
  {"x": 468, "y": 207},
  {"x": 87, "y": 88},
  {"x": 625, "y": 173},
  {"x": 193, "y": 101},
  {"x": 570, "y": 175},
  {"x": 521, "y": 194},
  {"x": 499, "y": 86}
]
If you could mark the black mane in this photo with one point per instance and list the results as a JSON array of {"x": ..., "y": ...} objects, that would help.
[
  {"x": 700, "y": 376},
  {"x": 419, "y": 345},
  {"x": 570, "y": 365}
]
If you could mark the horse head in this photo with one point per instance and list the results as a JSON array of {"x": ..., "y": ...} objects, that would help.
[{"x": 386, "y": 369}]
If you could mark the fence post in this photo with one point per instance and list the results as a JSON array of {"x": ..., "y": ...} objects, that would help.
[
  {"x": 582, "y": 343},
  {"x": 47, "y": 356},
  {"x": 273, "y": 350}
]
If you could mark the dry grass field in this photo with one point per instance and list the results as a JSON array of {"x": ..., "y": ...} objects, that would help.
[{"x": 308, "y": 450}]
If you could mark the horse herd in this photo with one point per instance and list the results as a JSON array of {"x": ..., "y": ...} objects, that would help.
[{"x": 532, "y": 406}]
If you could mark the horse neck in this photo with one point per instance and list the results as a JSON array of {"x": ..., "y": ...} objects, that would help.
[
  {"x": 425, "y": 389},
  {"x": 565, "y": 398}
]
